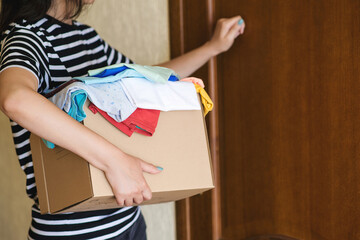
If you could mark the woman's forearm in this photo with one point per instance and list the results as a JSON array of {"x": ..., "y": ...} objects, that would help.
[
  {"x": 40, "y": 116},
  {"x": 226, "y": 31},
  {"x": 20, "y": 102},
  {"x": 189, "y": 62}
]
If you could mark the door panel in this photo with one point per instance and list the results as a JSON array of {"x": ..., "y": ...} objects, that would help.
[
  {"x": 289, "y": 145},
  {"x": 264, "y": 122},
  {"x": 289, "y": 120}
]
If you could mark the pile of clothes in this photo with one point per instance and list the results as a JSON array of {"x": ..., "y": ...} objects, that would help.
[{"x": 130, "y": 96}]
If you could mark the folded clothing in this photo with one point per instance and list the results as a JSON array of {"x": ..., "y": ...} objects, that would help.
[
  {"x": 143, "y": 121},
  {"x": 75, "y": 110},
  {"x": 169, "y": 96},
  {"x": 124, "y": 70},
  {"x": 194, "y": 80},
  {"x": 109, "y": 97},
  {"x": 199, "y": 86},
  {"x": 205, "y": 99}
]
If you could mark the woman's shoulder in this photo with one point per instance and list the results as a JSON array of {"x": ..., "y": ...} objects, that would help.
[
  {"x": 24, "y": 28},
  {"x": 47, "y": 25},
  {"x": 47, "y": 30}
]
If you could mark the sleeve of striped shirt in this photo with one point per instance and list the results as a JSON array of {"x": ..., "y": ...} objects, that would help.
[
  {"x": 24, "y": 49},
  {"x": 113, "y": 56}
]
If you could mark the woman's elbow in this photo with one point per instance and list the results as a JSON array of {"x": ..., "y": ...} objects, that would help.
[
  {"x": 17, "y": 86},
  {"x": 10, "y": 102}
]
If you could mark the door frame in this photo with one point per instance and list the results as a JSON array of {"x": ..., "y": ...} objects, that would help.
[{"x": 182, "y": 15}]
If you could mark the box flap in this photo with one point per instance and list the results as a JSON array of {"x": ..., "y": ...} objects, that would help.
[{"x": 66, "y": 175}]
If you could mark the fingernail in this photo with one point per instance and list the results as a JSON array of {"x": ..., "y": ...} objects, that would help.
[
  {"x": 241, "y": 21},
  {"x": 160, "y": 168}
]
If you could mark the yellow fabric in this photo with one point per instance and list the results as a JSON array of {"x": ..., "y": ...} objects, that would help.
[{"x": 205, "y": 99}]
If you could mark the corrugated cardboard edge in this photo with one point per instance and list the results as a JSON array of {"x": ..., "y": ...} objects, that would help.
[
  {"x": 207, "y": 142},
  {"x": 39, "y": 171},
  {"x": 209, "y": 152},
  {"x": 109, "y": 202}
]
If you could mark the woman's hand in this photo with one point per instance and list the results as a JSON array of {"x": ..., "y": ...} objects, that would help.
[
  {"x": 20, "y": 102},
  {"x": 125, "y": 175},
  {"x": 226, "y": 31}
]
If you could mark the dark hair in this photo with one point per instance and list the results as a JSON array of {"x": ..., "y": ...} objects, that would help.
[{"x": 32, "y": 10}]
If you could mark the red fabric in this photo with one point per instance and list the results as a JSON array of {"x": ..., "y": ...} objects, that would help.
[{"x": 146, "y": 119}]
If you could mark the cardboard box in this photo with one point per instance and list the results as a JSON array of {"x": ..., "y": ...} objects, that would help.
[{"x": 67, "y": 183}]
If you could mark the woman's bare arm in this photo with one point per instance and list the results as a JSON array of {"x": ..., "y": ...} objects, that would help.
[
  {"x": 20, "y": 102},
  {"x": 226, "y": 31}
]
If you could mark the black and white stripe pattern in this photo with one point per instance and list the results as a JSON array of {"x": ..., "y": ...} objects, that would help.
[{"x": 56, "y": 52}]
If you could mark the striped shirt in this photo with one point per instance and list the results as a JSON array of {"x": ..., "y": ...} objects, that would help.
[{"x": 55, "y": 52}]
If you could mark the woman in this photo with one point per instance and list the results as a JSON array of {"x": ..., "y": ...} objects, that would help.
[{"x": 41, "y": 48}]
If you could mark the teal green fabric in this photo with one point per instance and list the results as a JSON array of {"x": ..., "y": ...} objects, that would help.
[
  {"x": 78, "y": 99},
  {"x": 48, "y": 144},
  {"x": 76, "y": 111}
]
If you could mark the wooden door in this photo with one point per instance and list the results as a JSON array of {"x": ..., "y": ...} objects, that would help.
[{"x": 286, "y": 131}]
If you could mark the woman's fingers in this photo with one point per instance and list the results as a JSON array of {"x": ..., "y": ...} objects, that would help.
[
  {"x": 147, "y": 194},
  {"x": 234, "y": 31},
  {"x": 129, "y": 202},
  {"x": 227, "y": 23},
  {"x": 227, "y": 29},
  {"x": 126, "y": 178},
  {"x": 150, "y": 168},
  {"x": 242, "y": 26},
  {"x": 120, "y": 201},
  {"x": 237, "y": 28},
  {"x": 138, "y": 199},
  {"x": 134, "y": 198}
]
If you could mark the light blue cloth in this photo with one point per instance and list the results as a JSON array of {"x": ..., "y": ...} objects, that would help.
[
  {"x": 76, "y": 110},
  {"x": 105, "y": 91},
  {"x": 96, "y": 80},
  {"x": 109, "y": 97},
  {"x": 152, "y": 73}
]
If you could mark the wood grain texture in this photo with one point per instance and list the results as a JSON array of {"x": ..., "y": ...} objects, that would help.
[
  {"x": 290, "y": 120},
  {"x": 194, "y": 215},
  {"x": 289, "y": 108}
]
